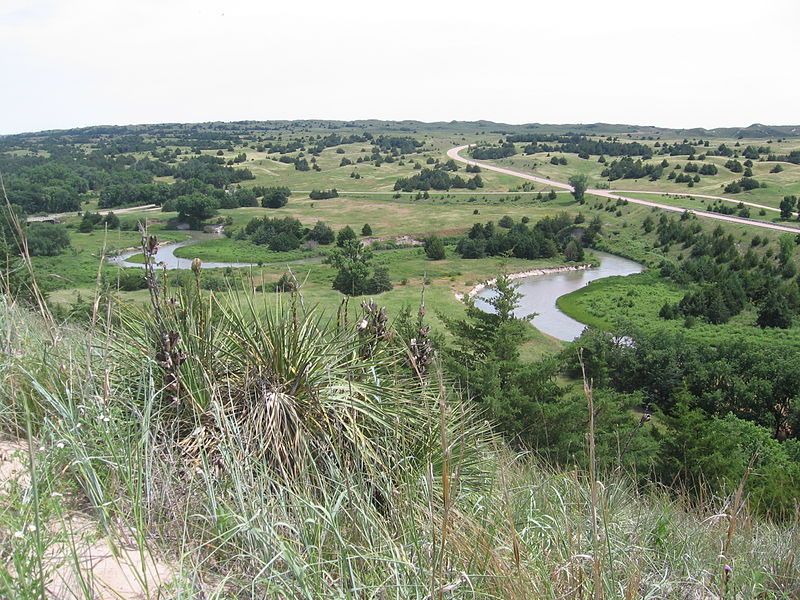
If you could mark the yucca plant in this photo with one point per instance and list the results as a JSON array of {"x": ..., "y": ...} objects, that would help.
[
  {"x": 293, "y": 387},
  {"x": 442, "y": 513}
]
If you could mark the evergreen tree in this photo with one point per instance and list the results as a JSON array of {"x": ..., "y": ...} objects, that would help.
[
  {"x": 345, "y": 235},
  {"x": 774, "y": 311},
  {"x": 380, "y": 281},
  {"x": 574, "y": 251},
  {"x": 787, "y": 207},
  {"x": 352, "y": 260},
  {"x": 506, "y": 222},
  {"x": 321, "y": 233},
  {"x": 275, "y": 197},
  {"x": 111, "y": 221},
  {"x": 87, "y": 224},
  {"x": 434, "y": 248}
]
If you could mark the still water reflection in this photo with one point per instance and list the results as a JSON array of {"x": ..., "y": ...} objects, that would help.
[{"x": 539, "y": 294}]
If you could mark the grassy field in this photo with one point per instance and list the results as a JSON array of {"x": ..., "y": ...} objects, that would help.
[
  {"x": 778, "y": 184},
  {"x": 280, "y": 450},
  {"x": 618, "y": 303},
  {"x": 373, "y": 201},
  {"x": 78, "y": 267},
  {"x": 420, "y": 497},
  {"x": 622, "y": 234},
  {"x": 270, "y": 171},
  {"x": 389, "y": 217}
]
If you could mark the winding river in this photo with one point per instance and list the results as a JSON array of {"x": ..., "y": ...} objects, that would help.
[
  {"x": 539, "y": 294},
  {"x": 166, "y": 255}
]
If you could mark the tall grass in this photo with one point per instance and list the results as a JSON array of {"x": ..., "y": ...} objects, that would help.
[{"x": 264, "y": 450}]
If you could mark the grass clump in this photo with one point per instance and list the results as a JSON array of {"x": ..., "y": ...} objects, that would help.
[{"x": 262, "y": 449}]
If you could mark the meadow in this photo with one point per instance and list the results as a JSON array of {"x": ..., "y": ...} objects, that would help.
[
  {"x": 200, "y": 435},
  {"x": 445, "y": 214}
]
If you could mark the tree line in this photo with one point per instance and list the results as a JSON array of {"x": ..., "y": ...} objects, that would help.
[
  {"x": 560, "y": 235},
  {"x": 436, "y": 179}
]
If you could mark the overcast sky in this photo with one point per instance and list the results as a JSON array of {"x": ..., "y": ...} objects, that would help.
[{"x": 699, "y": 63}]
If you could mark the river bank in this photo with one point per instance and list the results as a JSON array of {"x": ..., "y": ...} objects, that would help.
[
  {"x": 166, "y": 254},
  {"x": 489, "y": 283},
  {"x": 542, "y": 288}
]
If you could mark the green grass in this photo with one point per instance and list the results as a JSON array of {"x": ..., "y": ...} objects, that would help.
[
  {"x": 610, "y": 302},
  {"x": 78, "y": 266},
  {"x": 685, "y": 201},
  {"x": 75, "y": 271},
  {"x": 778, "y": 184},
  {"x": 229, "y": 250},
  {"x": 402, "y": 216},
  {"x": 269, "y": 171},
  {"x": 364, "y": 482},
  {"x": 192, "y": 482},
  {"x": 390, "y": 217},
  {"x": 619, "y": 302},
  {"x": 409, "y": 269}
]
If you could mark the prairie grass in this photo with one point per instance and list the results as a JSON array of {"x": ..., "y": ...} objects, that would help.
[{"x": 261, "y": 449}]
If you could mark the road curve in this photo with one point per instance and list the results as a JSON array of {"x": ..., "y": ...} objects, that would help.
[{"x": 454, "y": 154}]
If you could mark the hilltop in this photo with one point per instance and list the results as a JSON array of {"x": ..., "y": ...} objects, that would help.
[
  {"x": 301, "y": 406},
  {"x": 756, "y": 130}
]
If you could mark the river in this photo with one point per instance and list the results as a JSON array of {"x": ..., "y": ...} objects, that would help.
[
  {"x": 539, "y": 294},
  {"x": 166, "y": 255}
]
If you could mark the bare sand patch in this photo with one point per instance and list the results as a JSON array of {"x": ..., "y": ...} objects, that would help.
[
  {"x": 13, "y": 465},
  {"x": 81, "y": 563},
  {"x": 109, "y": 569}
]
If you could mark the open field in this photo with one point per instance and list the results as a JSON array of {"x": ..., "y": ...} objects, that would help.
[
  {"x": 209, "y": 425},
  {"x": 778, "y": 184},
  {"x": 372, "y": 200},
  {"x": 621, "y": 303},
  {"x": 621, "y": 234}
]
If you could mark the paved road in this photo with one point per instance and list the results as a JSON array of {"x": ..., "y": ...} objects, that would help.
[{"x": 454, "y": 154}]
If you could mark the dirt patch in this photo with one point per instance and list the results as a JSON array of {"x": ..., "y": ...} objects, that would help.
[
  {"x": 78, "y": 562},
  {"x": 13, "y": 465},
  {"x": 400, "y": 240},
  {"x": 107, "y": 569},
  {"x": 520, "y": 275}
]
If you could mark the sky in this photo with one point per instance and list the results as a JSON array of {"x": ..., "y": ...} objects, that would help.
[{"x": 699, "y": 63}]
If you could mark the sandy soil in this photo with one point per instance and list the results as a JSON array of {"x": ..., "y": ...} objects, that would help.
[
  {"x": 83, "y": 561},
  {"x": 519, "y": 275}
]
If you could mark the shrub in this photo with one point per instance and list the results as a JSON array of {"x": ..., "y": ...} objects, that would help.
[
  {"x": 434, "y": 248},
  {"x": 345, "y": 234},
  {"x": 46, "y": 239},
  {"x": 321, "y": 233},
  {"x": 275, "y": 197}
]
